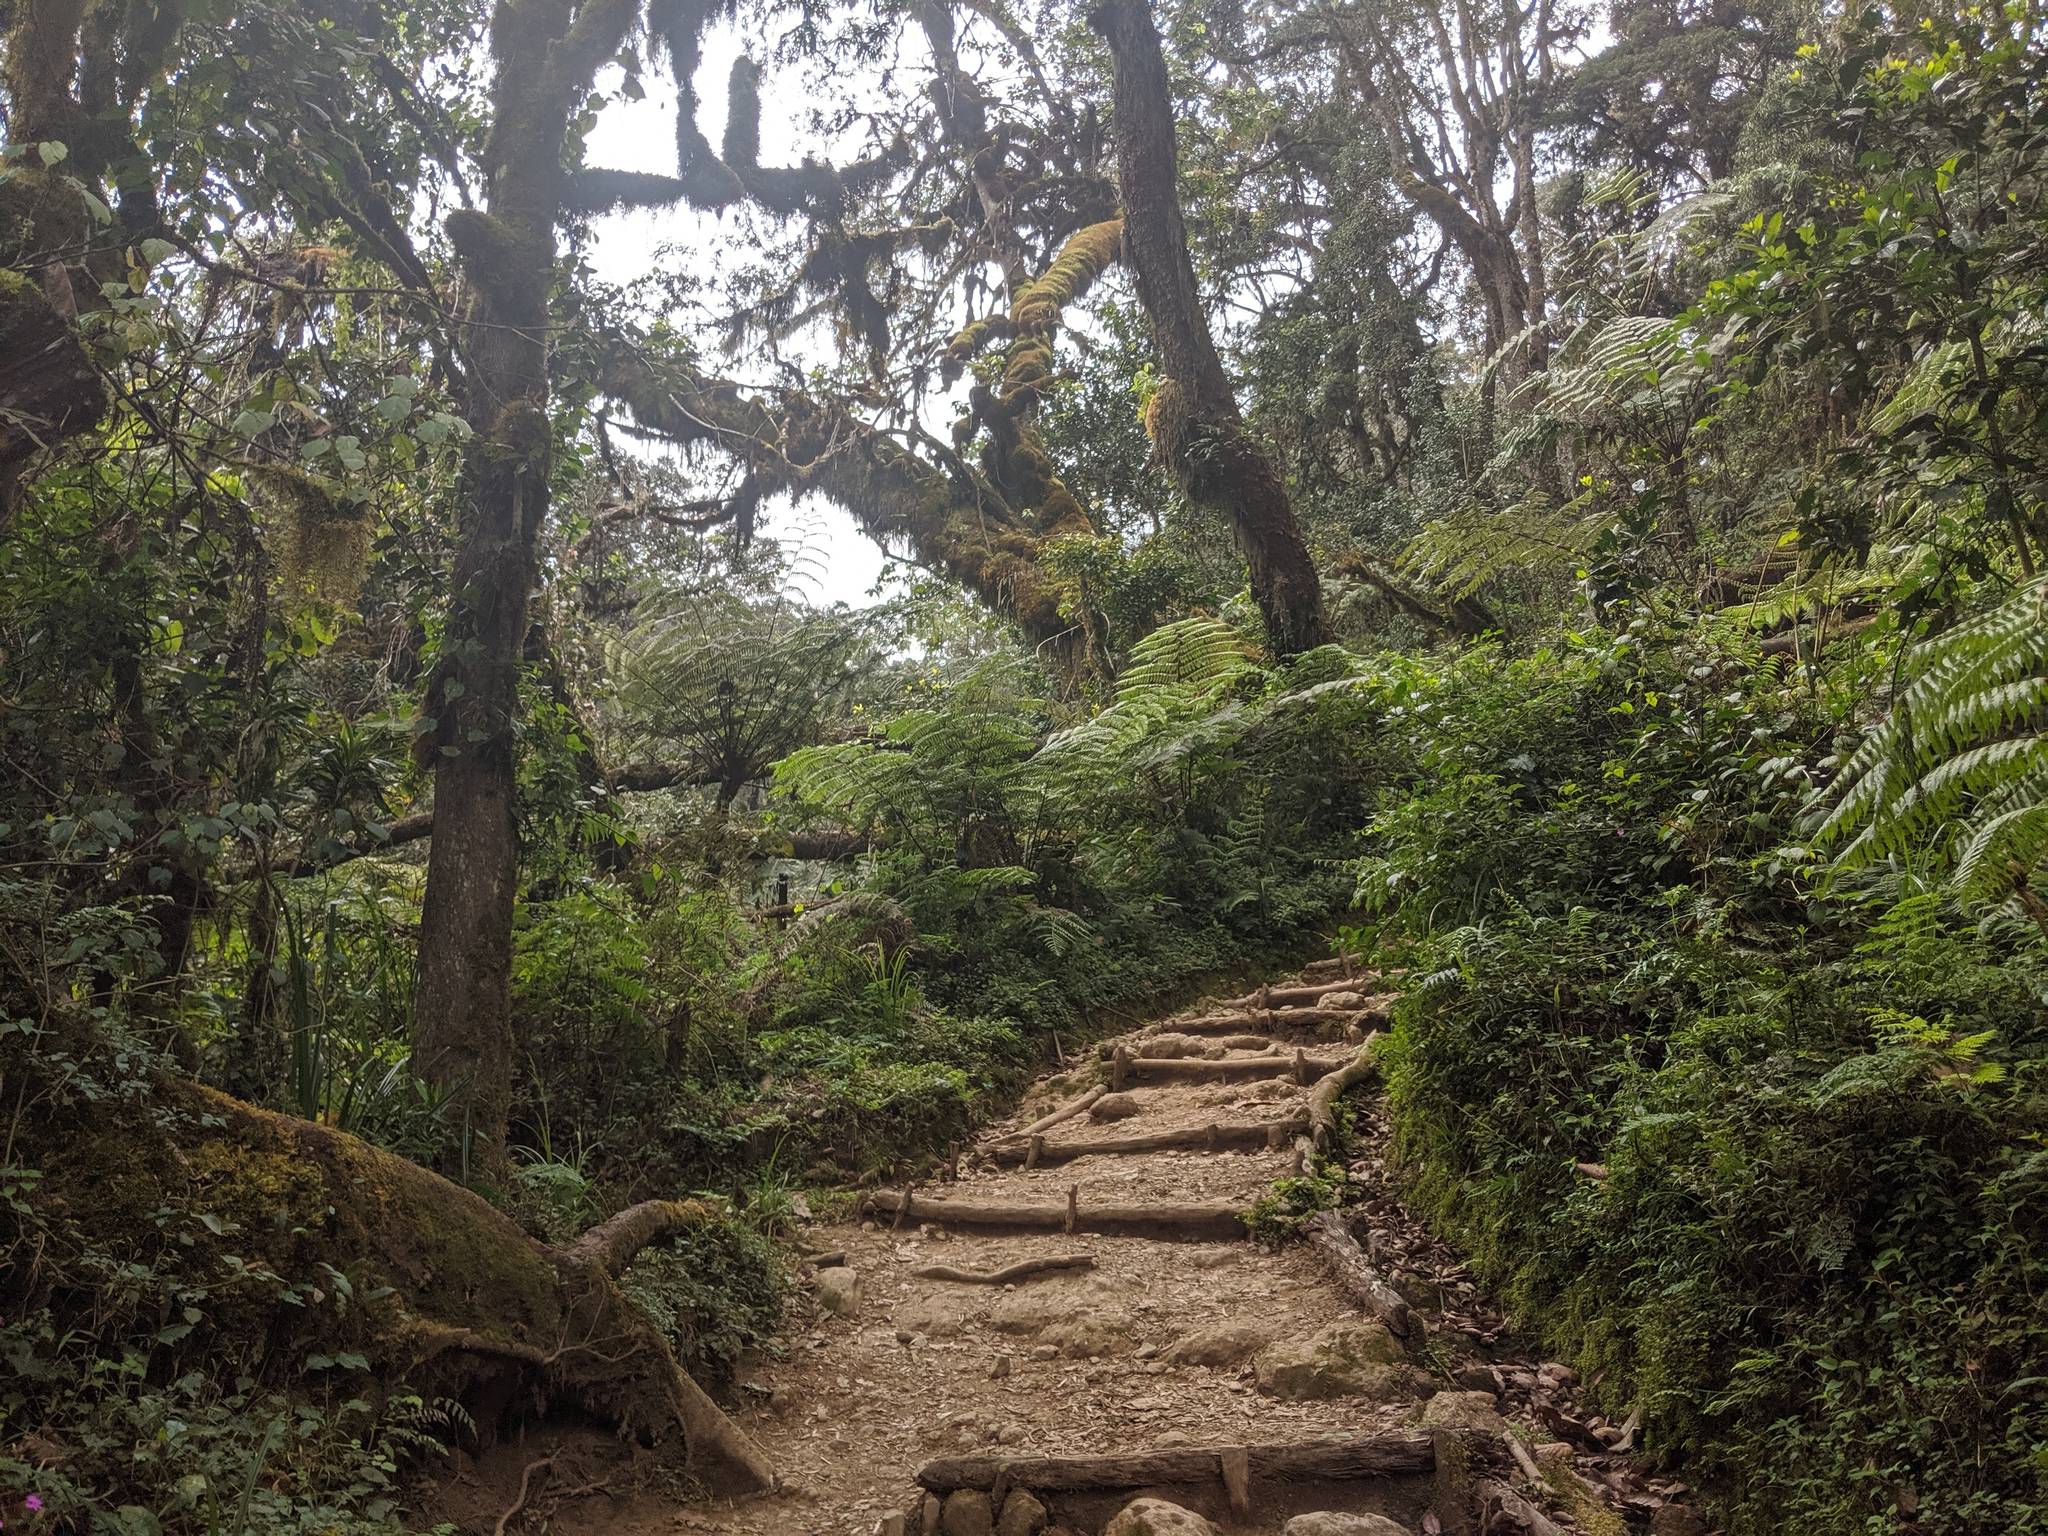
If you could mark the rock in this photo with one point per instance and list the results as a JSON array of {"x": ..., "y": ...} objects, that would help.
[
  {"x": 1156, "y": 1517},
  {"x": 1022, "y": 1515},
  {"x": 1344, "y": 1002},
  {"x": 1010, "y": 1434},
  {"x": 967, "y": 1513},
  {"x": 1677, "y": 1520},
  {"x": 1330, "y": 1523},
  {"x": 1034, "y": 1309},
  {"x": 1345, "y": 1359},
  {"x": 1221, "y": 1344},
  {"x": 890, "y": 1524},
  {"x": 1000, "y": 1369},
  {"x": 1170, "y": 1047},
  {"x": 1213, "y": 1258},
  {"x": 1464, "y": 1410},
  {"x": 1045, "y": 1351},
  {"x": 936, "y": 1317},
  {"x": 1148, "y": 1351},
  {"x": 1174, "y": 1437},
  {"x": 1476, "y": 1376},
  {"x": 1114, "y": 1106},
  {"x": 839, "y": 1290}
]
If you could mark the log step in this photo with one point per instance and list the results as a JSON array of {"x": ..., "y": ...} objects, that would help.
[
  {"x": 1337, "y": 1459},
  {"x": 1304, "y": 997},
  {"x": 1189, "y": 1222},
  {"x": 1274, "y": 1018},
  {"x": 1219, "y": 1137},
  {"x": 1300, "y": 1066}
]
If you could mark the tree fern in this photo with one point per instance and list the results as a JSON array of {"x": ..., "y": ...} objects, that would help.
[{"x": 1960, "y": 766}]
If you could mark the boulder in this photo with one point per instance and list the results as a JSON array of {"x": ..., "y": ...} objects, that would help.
[
  {"x": 1344, "y": 1002},
  {"x": 1170, "y": 1047},
  {"x": 1115, "y": 1106},
  {"x": 839, "y": 1290},
  {"x": 1345, "y": 1359},
  {"x": 1221, "y": 1344},
  {"x": 1331, "y": 1523},
  {"x": 936, "y": 1317},
  {"x": 966, "y": 1513},
  {"x": 1022, "y": 1515},
  {"x": 1156, "y": 1517},
  {"x": 1478, "y": 1411}
]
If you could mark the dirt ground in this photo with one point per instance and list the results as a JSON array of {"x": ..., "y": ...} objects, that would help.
[{"x": 1152, "y": 1346}]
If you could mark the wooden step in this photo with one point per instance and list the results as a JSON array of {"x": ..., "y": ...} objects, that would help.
[
  {"x": 1124, "y": 1068},
  {"x": 1239, "y": 1136},
  {"x": 1186, "y": 1222},
  {"x": 1350, "y": 1456}
]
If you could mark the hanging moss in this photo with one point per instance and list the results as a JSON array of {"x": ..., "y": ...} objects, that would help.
[{"x": 321, "y": 542}]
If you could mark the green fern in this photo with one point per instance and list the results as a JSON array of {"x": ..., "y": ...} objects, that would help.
[{"x": 1959, "y": 769}]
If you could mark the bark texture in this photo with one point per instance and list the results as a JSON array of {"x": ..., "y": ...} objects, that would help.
[
  {"x": 1197, "y": 428},
  {"x": 546, "y": 53}
]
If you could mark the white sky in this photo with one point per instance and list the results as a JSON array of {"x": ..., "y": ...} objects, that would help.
[{"x": 837, "y": 562}]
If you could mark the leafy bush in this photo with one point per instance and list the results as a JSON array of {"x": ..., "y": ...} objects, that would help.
[{"x": 1765, "y": 1163}]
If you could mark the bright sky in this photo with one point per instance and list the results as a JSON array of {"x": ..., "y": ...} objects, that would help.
[{"x": 840, "y": 563}]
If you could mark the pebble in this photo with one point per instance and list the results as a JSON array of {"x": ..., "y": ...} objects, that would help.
[{"x": 1001, "y": 1367}]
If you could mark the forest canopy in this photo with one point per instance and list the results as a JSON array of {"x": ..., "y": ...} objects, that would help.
[{"x": 1550, "y": 496}]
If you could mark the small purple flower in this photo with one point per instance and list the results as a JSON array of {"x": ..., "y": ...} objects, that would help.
[{"x": 33, "y": 1503}]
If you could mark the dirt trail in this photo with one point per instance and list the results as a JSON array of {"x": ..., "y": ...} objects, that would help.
[{"x": 1179, "y": 1341}]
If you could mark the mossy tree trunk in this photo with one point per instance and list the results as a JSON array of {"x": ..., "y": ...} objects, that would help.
[
  {"x": 451, "y": 1298},
  {"x": 546, "y": 52},
  {"x": 1196, "y": 424}
]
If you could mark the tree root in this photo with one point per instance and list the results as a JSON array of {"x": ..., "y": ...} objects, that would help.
[
  {"x": 1353, "y": 1272},
  {"x": 1322, "y": 1103},
  {"x": 1066, "y": 1112},
  {"x": 470, "y": 1306},
  {"x": 519, "y": 1500},
  {"x": 1009, "y": 1274}
]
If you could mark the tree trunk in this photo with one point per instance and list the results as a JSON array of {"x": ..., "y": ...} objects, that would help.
[
  {"x": 1196, "y": 425},
  {"x": 546, "y": 53}
]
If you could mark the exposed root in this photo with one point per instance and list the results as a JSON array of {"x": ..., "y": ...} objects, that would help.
[
  {"x": 519, "y": 1500},
  {"x": 1009, "y": 1274}
]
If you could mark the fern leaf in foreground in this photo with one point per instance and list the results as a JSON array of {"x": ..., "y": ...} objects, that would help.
[{"x": 1959, "y": 767}]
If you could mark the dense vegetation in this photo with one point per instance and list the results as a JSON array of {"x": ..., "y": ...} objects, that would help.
[{"x": 1551, "y": 497}]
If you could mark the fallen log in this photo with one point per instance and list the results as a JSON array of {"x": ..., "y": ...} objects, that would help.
[
  {"x": 1337, "y": 965},
  {"x": 1217, "y": 1137},
  {"x": 1194, "y": 1221},
  {"x": 1353, "y": 1271},
  {"x": 1303, "y": 1068},
  {"x": 1353, "y": 1456},
  {"x": 1322, "y": 1104},
  {"x": 1067, "y": 1112},
  {"x": 1009, "y": 1274}
]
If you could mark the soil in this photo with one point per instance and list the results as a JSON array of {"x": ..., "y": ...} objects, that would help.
[{"x": 1082, "y": 1361}]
